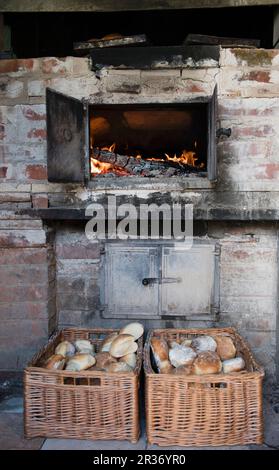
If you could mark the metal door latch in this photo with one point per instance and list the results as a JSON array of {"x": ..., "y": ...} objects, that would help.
[{"x": 147, "y": 281}]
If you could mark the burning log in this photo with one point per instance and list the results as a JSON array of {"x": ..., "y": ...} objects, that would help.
[{"x": 140, "y": 167}]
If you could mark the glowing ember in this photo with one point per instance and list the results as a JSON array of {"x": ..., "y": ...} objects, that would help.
[{"x": 98, "y": 167}]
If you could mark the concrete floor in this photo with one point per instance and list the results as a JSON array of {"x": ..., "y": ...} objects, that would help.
[{"x": 11, "y": 429}]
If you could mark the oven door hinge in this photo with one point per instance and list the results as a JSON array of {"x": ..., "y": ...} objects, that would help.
[{"x": 223, "y": 131}]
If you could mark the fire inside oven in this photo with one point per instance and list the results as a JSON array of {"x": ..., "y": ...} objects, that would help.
[
  {"x": 148, "y": 140},
  {"x": 89, "y": 141}
]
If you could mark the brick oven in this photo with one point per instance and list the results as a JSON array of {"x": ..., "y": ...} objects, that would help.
[{"x": 199, "y": 127}]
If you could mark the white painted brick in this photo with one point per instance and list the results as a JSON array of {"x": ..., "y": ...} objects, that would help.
[
  {"x": 11, "y": 88},
  {"x": 80, "y": 87},
  {"x": 157, "y": 74},
  {"x": 123, "y": 81},
  {"x": 36, "y": 87},
  {"x": 203, "y": 75}
]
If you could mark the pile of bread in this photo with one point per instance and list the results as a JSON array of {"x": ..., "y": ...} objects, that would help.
[
  {"x": 117, "y": 352},
  {"x": 199, "y": 356}
]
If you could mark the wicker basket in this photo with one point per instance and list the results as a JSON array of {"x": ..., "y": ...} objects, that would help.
[
  {"x": 81, "y": 405},
  {"x": 209, "y": 410}
]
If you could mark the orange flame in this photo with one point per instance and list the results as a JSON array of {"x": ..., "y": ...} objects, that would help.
[
  {"x": 98, "y": 168},
  {"x": 186, "y": 158}
]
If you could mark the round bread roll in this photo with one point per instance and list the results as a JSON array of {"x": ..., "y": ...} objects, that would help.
[
  {"x": 225, "y": 347},
  {"x": 183, "y": 370},
  {"x": 207, "y": 362},
  {"x": 204, "y": 343},
  {"x": 182, "y": 356},
  {"x": 106, "y": 344},
  {"x": 55, "y": 362},
  {"x": 130, "y": 359},
  {"x": 135, "y": 329},
  {"x": 186, "y": 342},
  {"x": 80, "y": 362},
  {"x": 122, "y": 345},
  {"x": 119, "y": 367},
  {"x": 65, "y": 348},
  {"x": 165, "y": 368},
  {"x": 84, "y": 346},
  {"x": 233, "y": 365},
  {"x": 104, "y": 359},
  {"x": 160, "y": 351},
  {"x": 174, "y": 344}
]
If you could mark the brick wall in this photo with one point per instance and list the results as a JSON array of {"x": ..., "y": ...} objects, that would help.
[
  {"x": 248, "y": 163},
  {"x": 27, "y": 293},
  {"x": 248, "y": 97}
]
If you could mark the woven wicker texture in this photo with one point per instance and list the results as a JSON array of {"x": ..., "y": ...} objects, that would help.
[
  {"x": 209, "y": 410},
  {"x": 81, "y": 405}
]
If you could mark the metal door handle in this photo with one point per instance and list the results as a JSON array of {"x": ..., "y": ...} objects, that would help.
[
  {"x": 150, "y": 280},
  {"x": 164, "y": 280}
]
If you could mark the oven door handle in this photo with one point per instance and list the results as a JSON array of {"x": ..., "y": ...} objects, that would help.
[{"x": 149, "y": 281}]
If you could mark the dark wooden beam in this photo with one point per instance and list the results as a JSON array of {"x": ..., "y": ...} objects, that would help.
[{"x": 120, "y": 5}]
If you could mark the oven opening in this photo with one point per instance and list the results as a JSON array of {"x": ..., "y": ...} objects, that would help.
[{"x": 148, "y": 140}]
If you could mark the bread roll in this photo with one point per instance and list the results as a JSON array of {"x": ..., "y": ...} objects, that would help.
[
  {"x": 173, "y": 344},
  {"x": 55, "y": 362},
  {"x": 104, "y": 359},
  {"x": 119, "y": 367},
  {"x": 183, "y": 370},
  {"x": 160, "y": 350},
  {"x": 135, "y": 329},
  {"x": 80, "y": 362},
  {"x": 233, "y": 365},
  {"x": 130, "y": 359},
  {"x": 84, "y": 346},
  {"x": 204, "y": 343},
  {"x": 106, "y": 344},
  {"x": 166, "y": 367},
  {"x": 182, "y": 356},
  {"x": 225, "y": 347},
  {"x": 122, "y": 345},
  {"x": 207, "y": 362},
  {"x": 186, "y": 342},
  {"x": 65, "y": 348}
]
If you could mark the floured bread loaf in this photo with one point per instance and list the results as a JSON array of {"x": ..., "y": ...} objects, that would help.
[
  {"x": 80, "y": 362},
  {"x": 204, "y": 343},
  {"x": 183, "y": 370},
  {"x": 104, "y": 359},
  {"x": 130, "y": 359},
  {"x": 122, "y": 345},
  {"x": 65, "y": 348},
  {"x": 225, "y": 347},
  {"x": 160, "y": 351},
  {"x": 182, "y": 356},
  {"x": 106, "y": 344},
  {"x": 84, "y": 346},
  {"x": 135, "y": 329},
  {"x": 207, "y": 362},
  {"x": 55, "y": 362},
  {"x": 119, "y": 367},
  {"x": 233, "y": 365}
]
